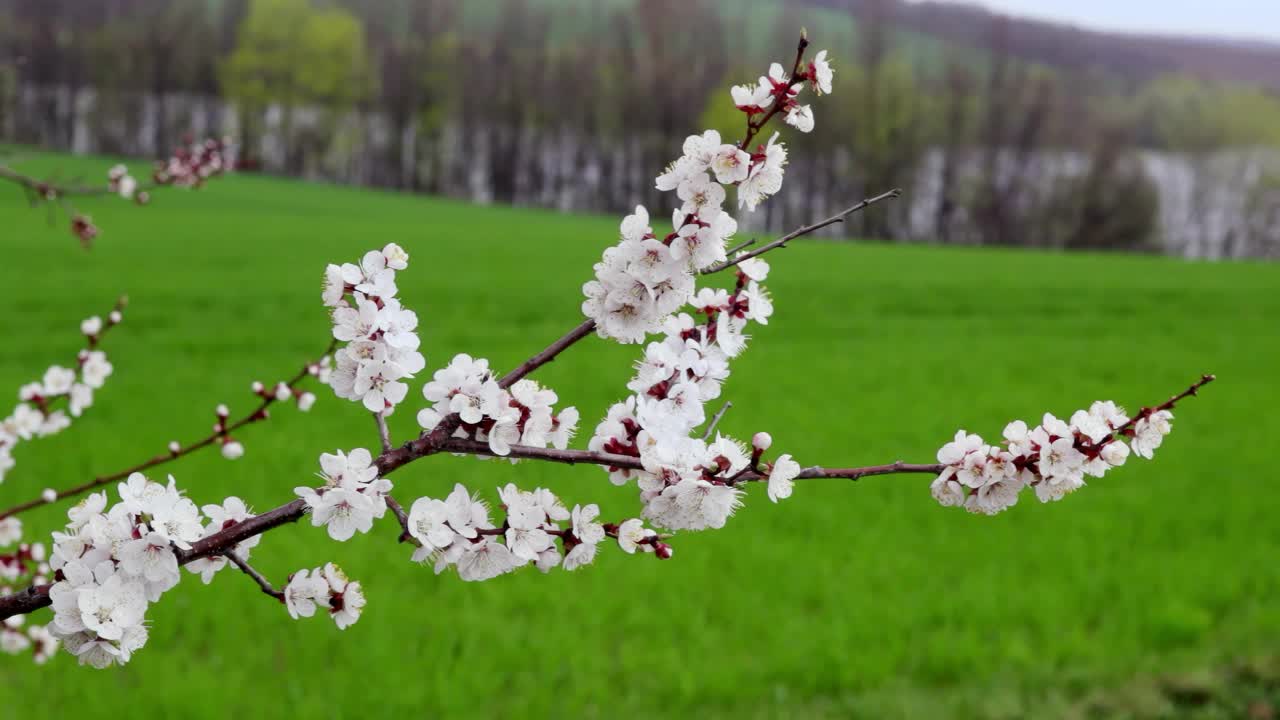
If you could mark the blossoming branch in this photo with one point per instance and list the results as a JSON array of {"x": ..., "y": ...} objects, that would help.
[
  {"x": 38, "y": 412},
  {"x": 115, "y": 558},
  {"x": 190, "y": 166},
  {"x": 27, "y": 564}
]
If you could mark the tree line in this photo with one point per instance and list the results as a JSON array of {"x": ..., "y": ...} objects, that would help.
[{"x": 458, "y": 84}]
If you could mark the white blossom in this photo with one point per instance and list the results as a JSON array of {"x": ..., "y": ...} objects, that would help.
[
  {"x": 303, "y": 592},
  {"x": 781, "y": 478},
  {"x": 485, "y": 560},
  {"x": 10, "y": 531},
  {"x": 232, "y": 449},
  {"x": 822, "y": 73},
  {"x": 800, "y": 117},
  {"x": 1149, "y": 432},
  {"x": 341, "y": 511},
  {"x": 345, "y": 597}
]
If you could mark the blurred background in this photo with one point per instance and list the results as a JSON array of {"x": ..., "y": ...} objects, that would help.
[
  {"x": 1003, "y": 130},
  {"x": 498, "y": 141}
]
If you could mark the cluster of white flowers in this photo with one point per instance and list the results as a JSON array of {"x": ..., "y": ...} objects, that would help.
[
  {"x": 26, "y": 564},
  {"x": 686, "y": 482},
  {"x": 327, "y": 588},
  {"x": 1053, "y": 458},
  {"x": 36, "y": 414},
  {"x": 17, "y": 637},
  {"x": 642, "y": 280},
  {"x": 23, "y": 566},
  {"x": 111, "y": 563},
  {"x": 523, "y": 415},
  {"x": 119, "y": 181},
  {"x": 381, "y": 337},
  {"x": 194, "y": 163},
  {"x": 456, "y": 532},
  {"x": 352, "y": 497}
]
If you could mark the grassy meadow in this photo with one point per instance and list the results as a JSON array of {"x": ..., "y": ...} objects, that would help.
[{"x": 848, "y": 600}]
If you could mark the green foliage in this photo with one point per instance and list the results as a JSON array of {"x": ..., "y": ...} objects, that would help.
[
  {"x": 848, "y": 600},
  {"x": 289, "y": 51},
  {"x": 1189, "y": 114}
]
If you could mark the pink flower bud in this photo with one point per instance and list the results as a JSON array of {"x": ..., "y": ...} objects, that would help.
[
  {"x": 305, "y": 401},
  {"x": 83, "y": 228},
  {"x": 174, "y": 447},
  {"x": 232, "y": 450},
  {"x": 663, "y": 550},
  {"x": 256, "y": 387},
  {"x": 283, "y": 392},
  {"x": 222, "y": 411},
  {"x": 49, "y": 495},
  {"x": 761, "y": 441}
]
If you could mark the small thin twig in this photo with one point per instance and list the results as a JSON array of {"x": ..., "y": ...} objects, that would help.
[
  {"x": 715, "y": 419},
  {"x": 398, "y": 510},
  {"x": 782, "y": 241},
  {"x": 249, "y": 570},
  {"x": 547, "y": 355},
  {"x": 384, "y": 433},
  {"x": 740, "y": 247},
  {"x": 1166, "y": 405},
  {"x": 755, "y": 126},
  {"x": 49, "y": 190}
]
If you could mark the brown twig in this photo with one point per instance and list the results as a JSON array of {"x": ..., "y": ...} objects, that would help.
[
  {"x": 49, "y": 190},
  {"x": 1148, "y": 412},
  {"x": 548, "y": 354},
  {"x": 755, "y": 126},
  {"x": 715, "y": 420},
  {"x": 384, "y": 433},
  {"x": 740, "y": 247},
  {"x": 249, "y": 570},
  {"x": 402, "y": 517},
  {"x": 782, "y": 241}
]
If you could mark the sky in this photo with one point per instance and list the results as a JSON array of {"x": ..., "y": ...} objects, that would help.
[{"x": 1245, "y": 19}]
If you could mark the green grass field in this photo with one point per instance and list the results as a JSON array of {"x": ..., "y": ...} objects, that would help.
[{"x": 864, "y": 600}]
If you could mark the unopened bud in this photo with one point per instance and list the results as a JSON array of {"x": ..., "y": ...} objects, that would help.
[{"x": 761, "y": 441}]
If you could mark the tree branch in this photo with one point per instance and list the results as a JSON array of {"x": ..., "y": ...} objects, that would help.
[
  {"x": 547, "y": 355},
  {"x": 257, "y": 414},
  {"x": 754, "y": 127},
  {"x": 782, "y": 241},
  {"x": 384, "y": 433},
  {"x": 403, "y": 518},
  {"x": 438, "y": 440},
  {"x": 715, "y": 420},
  {"x": 249, "y": 570},
  {"x": 1166, "y": 405},
  {"x": 50, "y": 190},
  {"x": 740, "y": 247}
]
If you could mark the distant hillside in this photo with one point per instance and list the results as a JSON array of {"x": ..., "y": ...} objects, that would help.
[{"x": 1070, "y": 46}]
